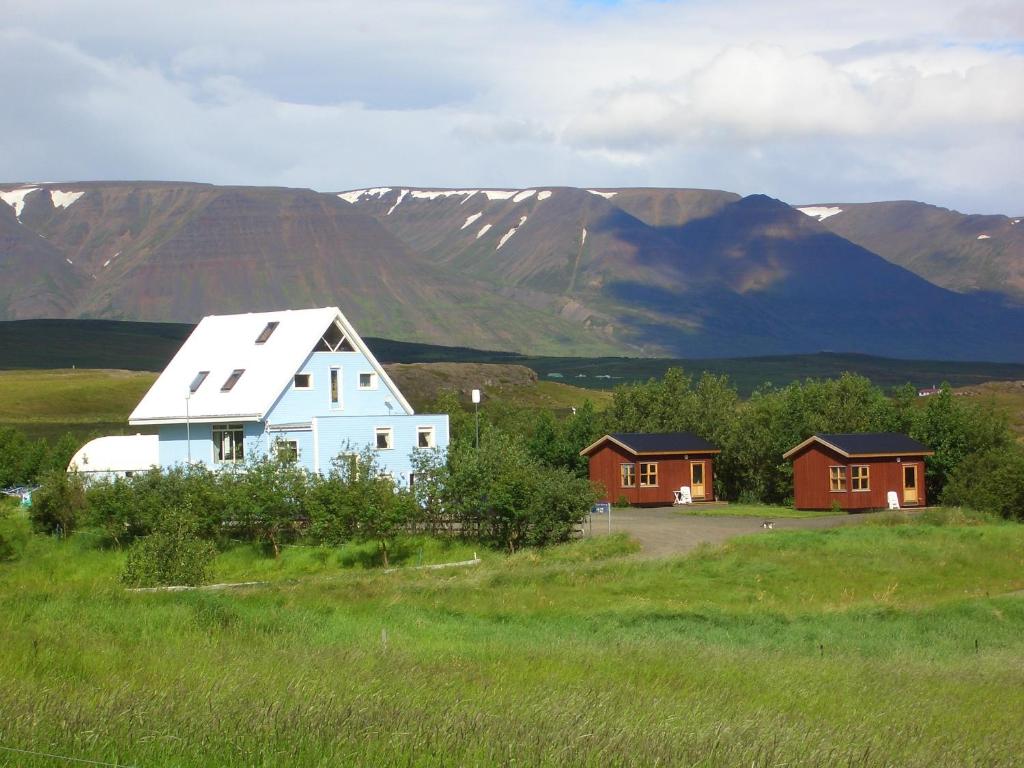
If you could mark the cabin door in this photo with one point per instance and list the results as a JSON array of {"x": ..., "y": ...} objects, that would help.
[
  {"x": 697, "y": 479},
  {"x": 910, "y": 483}
]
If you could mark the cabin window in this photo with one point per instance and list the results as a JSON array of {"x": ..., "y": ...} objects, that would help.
[
  {"x": 335, "y": 388},
  {"x": 232, "y": 380},
  {"x": 648, "y": 474},
  {"x": 860, "y": 478},
  {"x": 265, "y": 333},
  {"x": 367, "y": 380},
  {"x": 385, "y": 438},
  {"x": 228, "y": 442},
  {"x": 627, "y": 475},
  {"x": 837, "y": 478},
  {"x": 197, "y": 382},
  {"x": 333, "y": 340},
  {"x": 425, "y": 437},
  {"x": 287, "y": 451},
  {"x": 303, "y": 380}
]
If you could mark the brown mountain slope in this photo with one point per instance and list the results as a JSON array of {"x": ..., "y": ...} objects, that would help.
[
  {"x": 957, "y": 251},
  {"x": 179, "y": 251}
]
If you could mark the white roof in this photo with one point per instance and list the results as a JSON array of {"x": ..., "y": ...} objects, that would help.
[
  {"x": 117, "y": 453},
  {"x": 221, "y": 344}
]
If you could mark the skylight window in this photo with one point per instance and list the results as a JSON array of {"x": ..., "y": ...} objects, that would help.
[
  {"x": 232, "y": 380},
  {"x": 197, "y": 382},
  {"x": 265, "y": 333}
]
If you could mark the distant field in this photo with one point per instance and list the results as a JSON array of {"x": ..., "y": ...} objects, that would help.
[
  {"x": 860, "y": 647},
  {"x": 48, "y": 403},
  {"x": 51, "y": 402},
  {"x": 149, "y": 346},
  {"x": 1008, "y": 396}
]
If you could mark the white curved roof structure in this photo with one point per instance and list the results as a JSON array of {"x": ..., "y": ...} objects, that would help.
[{"x": 117, "y": 454}]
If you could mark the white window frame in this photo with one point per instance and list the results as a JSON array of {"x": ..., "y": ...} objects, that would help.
[
  {"x": 278, "y": 442},
  {"x": 227, "y": 427},
  {"x": 308, "y": 386},
  {"x": 390, "y": 432},
  {"x": 431, "y": 431},
  {"x": 340, "y": 405},
  {"x": 374, "y": 380}
]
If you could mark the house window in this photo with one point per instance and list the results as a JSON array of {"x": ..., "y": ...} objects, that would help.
[
  {"x": 837, "y": 478},
  {"x": 197, "y": 382},
  {"x": 367, "y": 380},
  {"x": 860, "y": 478},
  {"x": 627, "y": 475},
  {"x": 265, "y": 333},
  {"x": 425, "y": 437},
  {"x": 333, "y": 340},
  {"x": 287, "y": 450},
  {"x": 227, "y": 443},
  {"x": 648, "y": 473},
  {"x": 335, "y": 388},
  {"x": 385, "y": 438},
  {"x": 303, "y": 380},
  {"x": 232, "y": 380}
]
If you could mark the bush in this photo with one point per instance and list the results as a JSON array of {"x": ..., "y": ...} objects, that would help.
[
  {"x": 58, "y": 503},
  {"x": 992, "y": 480},
  {"x": 172, "y": 555}
]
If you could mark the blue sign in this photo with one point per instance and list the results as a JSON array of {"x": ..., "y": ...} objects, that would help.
[{"x": 601, "y": 508}]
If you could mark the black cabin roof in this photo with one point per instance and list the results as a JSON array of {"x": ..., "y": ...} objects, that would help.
[{"x": 657, "y": 442}]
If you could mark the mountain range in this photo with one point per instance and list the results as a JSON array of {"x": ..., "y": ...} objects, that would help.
[{"x": 554, "y": 270}]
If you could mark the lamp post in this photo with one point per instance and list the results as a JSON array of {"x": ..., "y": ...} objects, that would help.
[
  {"x": 476, "y": 410},
  {"x": 188, "y": 426}
]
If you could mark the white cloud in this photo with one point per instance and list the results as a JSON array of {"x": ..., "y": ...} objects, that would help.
[{"x": 807, "y": 101}]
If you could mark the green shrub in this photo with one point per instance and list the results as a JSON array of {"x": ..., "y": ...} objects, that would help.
[
  {"x": 170, "y": 556},
  {"x": 992, "y": 480},
  {"x": 58, "y": 503}
]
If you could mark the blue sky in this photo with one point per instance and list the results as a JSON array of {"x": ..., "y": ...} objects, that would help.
[{"x": 806, "y": 101}]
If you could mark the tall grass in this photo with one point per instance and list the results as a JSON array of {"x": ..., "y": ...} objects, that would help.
[{"x": 853, "y": 646}]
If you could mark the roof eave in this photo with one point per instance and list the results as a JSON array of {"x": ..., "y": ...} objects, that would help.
[{"x": 206, "y": 419}]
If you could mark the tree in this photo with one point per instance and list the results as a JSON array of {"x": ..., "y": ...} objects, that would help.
[
  {"x": 992, "y": 481},
  {"x": 266, "y": 499},
  {"x": 58, "y": 503}
]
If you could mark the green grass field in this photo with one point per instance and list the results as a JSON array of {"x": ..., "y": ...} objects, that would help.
[
  {"x": 874, "y": 645},
  {"x": 749, "y": 510}
]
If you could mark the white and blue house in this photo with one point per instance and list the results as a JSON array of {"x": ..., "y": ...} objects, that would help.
[{"x": 301, "y": 383}]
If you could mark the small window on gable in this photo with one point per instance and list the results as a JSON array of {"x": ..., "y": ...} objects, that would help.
[
  {"x": 197, "y": 382},
  {"x": 303, "y": 381},
  {"x": 333, "y": 340},
  {"x": 265, "y": 333},
  {"x": 367, "y": 380},
  {"x": 232, "y": 380}
]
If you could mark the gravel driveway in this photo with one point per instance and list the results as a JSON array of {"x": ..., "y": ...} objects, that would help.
[{"x": 662, "y": 531}]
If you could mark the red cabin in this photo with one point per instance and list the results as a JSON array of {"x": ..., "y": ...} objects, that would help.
[
  {"x": 648, "y": 468},
  {"x": 858, "y": 471}
]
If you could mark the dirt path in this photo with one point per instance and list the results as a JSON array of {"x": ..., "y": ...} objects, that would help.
[{"x": 662, "y": 531}]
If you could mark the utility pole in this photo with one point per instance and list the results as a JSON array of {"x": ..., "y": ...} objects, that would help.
[
  {"x": 476, "y": 410},
  {"x": 188, "y": 426}
]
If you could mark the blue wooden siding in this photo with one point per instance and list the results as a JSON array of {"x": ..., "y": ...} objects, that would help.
[{"x": 299, "y": 405}]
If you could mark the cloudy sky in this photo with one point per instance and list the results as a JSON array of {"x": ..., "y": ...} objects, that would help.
[{"x": 807, "y": 101}]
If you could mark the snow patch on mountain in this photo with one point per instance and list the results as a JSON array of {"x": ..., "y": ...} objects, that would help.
[
  {"x": 354, "y": 195},
  {"x": 16, "y": 199},
  {"x": 605, "y": 195},
  {"x": 401, "y": 196},
  {"x": 583, "y": 236},
  {"x": 544, "y": 194},
  {"x": 984, "y": 237},
  {"x": 507, "y": 235},
  {"x": 524, "y": 195},
  {"x": 483, "y": 231},
  {"x": 471, "y": 219},
  {"x": 62, "y": 199},
  {"x": 820, "y": 212}
]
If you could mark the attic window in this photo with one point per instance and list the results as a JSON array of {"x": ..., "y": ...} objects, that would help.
[
  {"x": 232, "y": 379},
  {"x": 265, "y": 333},
  {"x": 197, "y": 382},
  {"x": 333, "y": 340}
]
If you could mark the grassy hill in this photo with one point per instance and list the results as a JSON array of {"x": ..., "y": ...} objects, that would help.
[
  {"x": 149, "y": 346},
  {"x": 866, "y": 646}
]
